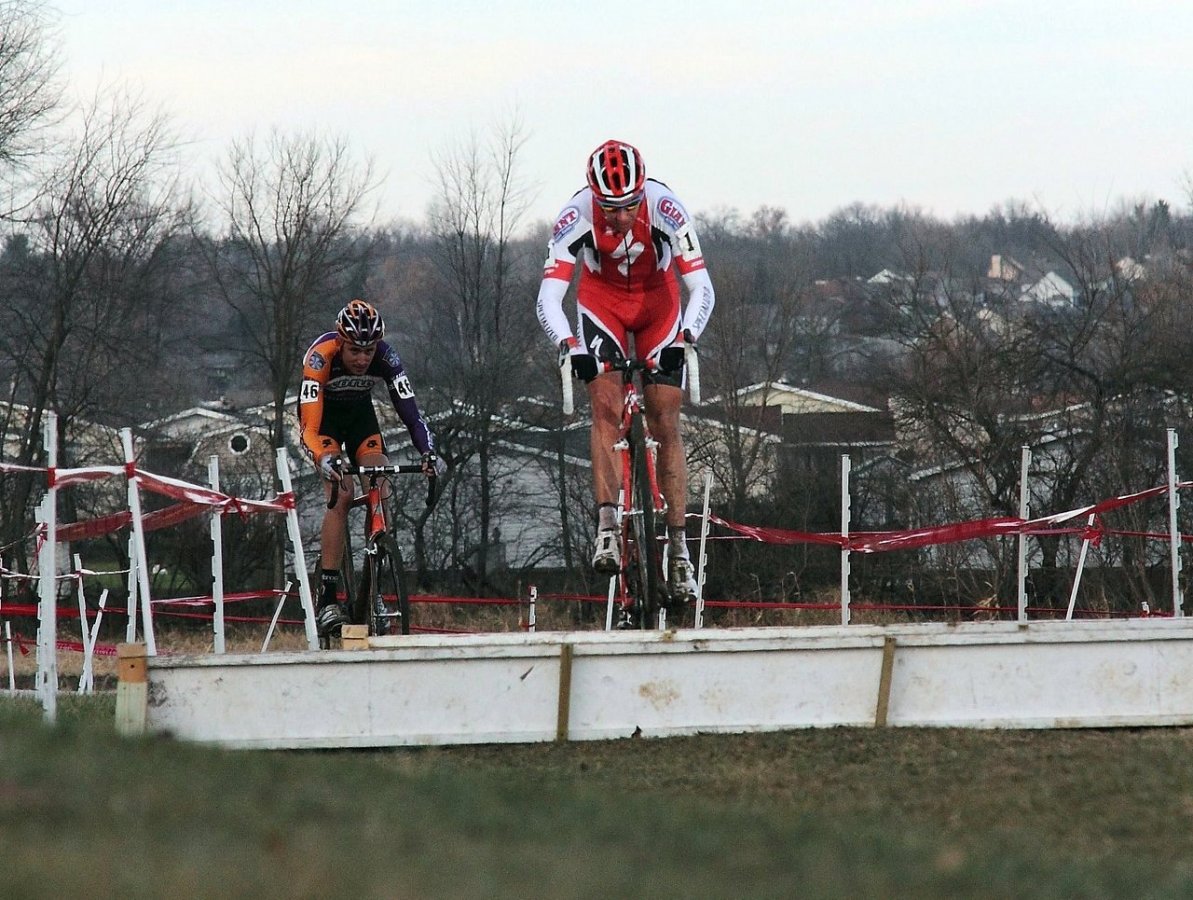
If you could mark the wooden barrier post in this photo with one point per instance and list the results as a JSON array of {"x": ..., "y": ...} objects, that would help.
[
  {"x": 132, "y": 689},
  {"x": 565, "y": 693},
  {"x": 884, "y": 682}
]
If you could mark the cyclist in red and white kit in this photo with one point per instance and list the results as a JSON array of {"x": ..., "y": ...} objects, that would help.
[{"x": 628, "y": 235}]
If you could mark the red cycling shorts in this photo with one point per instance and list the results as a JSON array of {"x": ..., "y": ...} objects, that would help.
[{"x": 608, "y": 316}]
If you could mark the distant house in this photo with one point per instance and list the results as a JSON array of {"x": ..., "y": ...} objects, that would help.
[
  {"x": 1004, "y": 268},
  {"x": 886, "y": 276},
  {"x": 1050, "y": 289},
  {"x": 806, "y": 432},
  {"x": 793, "y": 400},
  {"x": 88, "y": 443},
  {"x": 185, "y": 441},
  {"x": 1007, "y": 278}
]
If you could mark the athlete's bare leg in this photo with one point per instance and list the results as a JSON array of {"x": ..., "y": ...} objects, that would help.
[
  {"x": 335, "y": 520},
  {"x": 335, "y": 525},
  {"x": 604, "y": 394},
  {"x": 662, "y": 416}
]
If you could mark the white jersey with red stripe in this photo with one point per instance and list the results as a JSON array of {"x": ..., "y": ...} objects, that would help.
[{"x": 641, "y": 261}]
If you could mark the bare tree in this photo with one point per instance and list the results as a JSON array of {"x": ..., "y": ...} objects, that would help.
[
  {"x": 763, "y": 320},
  {"x": 289, "y": 252},
  {"x": 75, "y": 301},
  {"x": 762, "y": 315},
  {"x": 29, "y": 94},
  {"x": 289, "y": 208},
  {"x": 989, "y": 371},
  {"x": 477, "y": 326}
]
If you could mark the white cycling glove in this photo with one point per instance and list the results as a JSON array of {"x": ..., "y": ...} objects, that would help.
[
  {"x": 331, "y": 466},
  {"x": 434, "y": 465}
]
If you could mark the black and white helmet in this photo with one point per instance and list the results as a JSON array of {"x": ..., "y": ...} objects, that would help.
[{"x": 360, "y": 324}]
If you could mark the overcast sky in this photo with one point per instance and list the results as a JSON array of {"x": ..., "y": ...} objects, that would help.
[{"x": 950, "y": 106}]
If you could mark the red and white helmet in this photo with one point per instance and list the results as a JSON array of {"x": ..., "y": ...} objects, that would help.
[{"x": 616, "y": 174}]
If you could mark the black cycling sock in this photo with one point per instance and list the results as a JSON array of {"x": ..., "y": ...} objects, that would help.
[{"x": 330, "y": 580}]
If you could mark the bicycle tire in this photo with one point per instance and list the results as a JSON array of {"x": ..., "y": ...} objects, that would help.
[
  {"x": 645, "y": 565},
  {"x": 358, "y": 607},
  {"x": 348, "y": 576},
  {"x": 390, "y": 582}
]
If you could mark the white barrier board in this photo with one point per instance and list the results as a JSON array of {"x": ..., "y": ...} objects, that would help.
[{"x": 458, "y": 689}]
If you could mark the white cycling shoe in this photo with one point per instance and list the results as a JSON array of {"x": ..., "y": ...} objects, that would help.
[
  {"x": 681, "y": 580},
  {"x": 606, "y": 560}
]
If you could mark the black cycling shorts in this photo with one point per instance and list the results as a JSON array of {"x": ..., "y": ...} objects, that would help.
[{"x": 354, "y": 426}]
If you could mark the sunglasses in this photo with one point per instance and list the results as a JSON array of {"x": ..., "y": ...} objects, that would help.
[{"x": 624, "y": 204}]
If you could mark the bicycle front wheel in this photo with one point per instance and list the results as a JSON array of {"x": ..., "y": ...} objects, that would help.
[
  {"x": 391, "y": 602},
  {"x": 644, "y": 565}
]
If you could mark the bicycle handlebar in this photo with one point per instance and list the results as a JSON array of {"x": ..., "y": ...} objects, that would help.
[
  {"x": 378, "y": 471},
  {"x": 404, "y": 469},
  {"x": 692, "y": 363},
  {"x": 627, "y": 366},
  {"x": 565, "y": 376}
]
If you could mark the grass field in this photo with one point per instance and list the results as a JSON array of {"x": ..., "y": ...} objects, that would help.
[{"x": 825, "y": 813}]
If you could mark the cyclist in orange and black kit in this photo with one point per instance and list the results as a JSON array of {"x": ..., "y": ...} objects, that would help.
[{"x": 337, "y": 418}]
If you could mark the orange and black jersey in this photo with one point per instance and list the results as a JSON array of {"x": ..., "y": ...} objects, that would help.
[{"x": 327, "y": 385}]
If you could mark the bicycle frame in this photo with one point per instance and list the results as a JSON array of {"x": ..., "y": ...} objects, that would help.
[
  {"x": 631, "y": 405},
  {"x": 381, "y": 598},
  {"x": 641, "y": 507}
]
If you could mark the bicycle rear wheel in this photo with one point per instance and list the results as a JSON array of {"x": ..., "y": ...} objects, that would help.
[
  {"x": 390, "y": 611},
  {"x": 358, "y": 608},
  {"x": 644, "y": 570},
  {"x": 349, "y": 580}
]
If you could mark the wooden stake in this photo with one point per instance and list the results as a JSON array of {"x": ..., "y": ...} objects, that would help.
[{"x": 132, "y": 689}]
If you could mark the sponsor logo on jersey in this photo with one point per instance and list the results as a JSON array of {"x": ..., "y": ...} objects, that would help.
[
  {"x": 391, "y": 358},
  {"x": 402, "y": 386},
  {"x": 672, "y": 213},
  {"x": 349, "y": 383},
  {"x": 316, "y": 361},
  {"x": 627, "y": 256},
  {"x": 566, "y": 222}
]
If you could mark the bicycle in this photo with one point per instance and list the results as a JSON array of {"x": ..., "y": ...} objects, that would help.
[
  {"x": 379, "y": 599},
  {"x": 641, "y": 586}
]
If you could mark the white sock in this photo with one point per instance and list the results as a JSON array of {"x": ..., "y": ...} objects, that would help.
[{"x": 606, "y": 517}]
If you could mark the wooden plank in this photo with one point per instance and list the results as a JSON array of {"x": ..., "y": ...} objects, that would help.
[
  {"x": 884, "y": 682},
  {"x": 354, "y": 637},
  {"x": 565, "y": 692}
]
